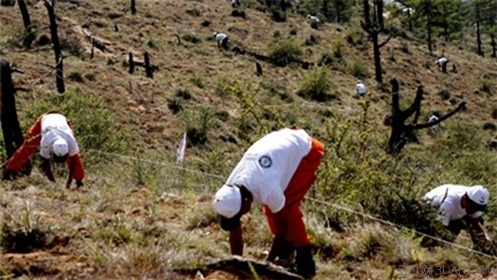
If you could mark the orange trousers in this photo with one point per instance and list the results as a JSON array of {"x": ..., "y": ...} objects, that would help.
[
  {"x": 31, "y": 144},
  {"x": 299, "y": 185}
]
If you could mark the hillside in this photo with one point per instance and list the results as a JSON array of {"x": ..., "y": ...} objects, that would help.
[{"x": 142, "y": 215}]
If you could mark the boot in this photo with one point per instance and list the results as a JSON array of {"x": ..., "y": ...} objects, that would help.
[
  {"x": 286, "y": 255},
  {"x": 304, "y": 263}
]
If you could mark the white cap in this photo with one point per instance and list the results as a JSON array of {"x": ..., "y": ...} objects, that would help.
[
  {"x": 479, "y": 195},
  {"x": 60, "y": 147},
  {"x": 228, "y": 201}
]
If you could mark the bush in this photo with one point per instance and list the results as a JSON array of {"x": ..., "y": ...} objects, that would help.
[
  {"x": 198, "y": 123},
  {"x": 444, "y": 94},
  {"x": 486, "y": 85},
  {"x": 278, "y": 15},
  {"x": 194, "y": 12},
  {"x": 75, "y": 76},
  {"x": 316, "y": 85},
  {"x": 357, "y": 68},
  {"x": 191, "y": 37},
  {"x": 284, "y": 52},
  {"x": 239, "y": 13},
  {"x": 175, "y": 104}
]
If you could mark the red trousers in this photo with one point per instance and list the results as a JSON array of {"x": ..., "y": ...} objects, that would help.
[
  {"x": 299, "y": 185},
  {"x": 30, "y": 146}
]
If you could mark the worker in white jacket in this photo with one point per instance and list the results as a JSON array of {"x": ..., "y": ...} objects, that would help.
[
  {"x": 313, "y": 19},
  {"x": 222, "y": 39},
  {"x": 460, "y": 207},
  {"x": 360, "y": 88}
]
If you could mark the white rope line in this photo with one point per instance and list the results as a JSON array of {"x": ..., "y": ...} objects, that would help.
[
  {"x": 343, "y": 208},
  {"x": 170, "y": 164},
  {"x": 399, "y": 226}
]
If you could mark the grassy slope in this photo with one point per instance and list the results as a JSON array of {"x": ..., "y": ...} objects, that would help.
[{"x": 138, "y": 218}]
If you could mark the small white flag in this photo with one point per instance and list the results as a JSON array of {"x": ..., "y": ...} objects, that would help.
[{"x": 181, "y": 149}]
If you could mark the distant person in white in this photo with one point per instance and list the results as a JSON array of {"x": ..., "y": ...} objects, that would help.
[
  {"x": 222, "y": 39},
  {"x": 360, "y": 88},
  {"x": 460, "y": 207},
  {"x": 442, "y": 62},
  {"x": 434, "y": 118},
  {"x": 313, "y": 19}
]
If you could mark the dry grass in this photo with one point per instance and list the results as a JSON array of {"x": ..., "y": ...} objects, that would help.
[{"x": 143, "y": 215}]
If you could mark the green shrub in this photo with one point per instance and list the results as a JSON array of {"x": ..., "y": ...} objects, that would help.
[
  {"x": 197, "y": 79},
  {"x": 239, "y": 13},
  {"x": 316, "y": 85},
  {"x": 357, "y": 68},
  {"x": 284, "y": 52},
  {"x": 75, "y": 76},
  {"x": 486, "y": 85},
  {"x": 191, "y": 37},
  {"x": 444, "y": 94},
  {"x": 194, "y": 12},
  {"x": 278, "y": 15},
  {"x": 358, "y": 173},
  {"x": 175, "y": 104},
  {"x": 461, "y": 136},
  {"x": 477, "y": 166},
  {"x": 494, "y": 113},
  {"x": 198, "y": 123},
  {"x": 184, "y": 94}
]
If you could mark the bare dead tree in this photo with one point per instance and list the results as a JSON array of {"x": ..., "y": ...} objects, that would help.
[
  {"x": 148, "y": 69},
  {"x": 401, "y": 132},
  {"x": 374, "y": 28},
  {"x": 11, "y": 129},
  {"x": 131, "y": 63},
  {"x": 59, "y": 59},
  {"x": 29, "y": 36}
]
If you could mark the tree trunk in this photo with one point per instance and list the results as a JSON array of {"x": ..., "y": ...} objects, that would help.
[
  {"x": 494, "y": 45},
  {"x": 131, "y": 68},
  {"x": 29, "y": 35},
  {"x": 325, "y": 8},
  {"x": 409, "y": 18},
  {"x": 478, "y": 33},
  {"x": 11, "y": 129},
  {"x": 445, "y": 24},
  {"x": 379, "y": 12},
  {"x": 338, "y": 11},
  {"x": 377, "y": 58},
  {"x": 396, "y": 122},
  {"x": 428, "y": 24},
  {"x": 59, "y": 60},
  {"x": 148, "y": 69},
  {"x": 133, "y": 7},
  {"x": 367, "y": 19}
]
